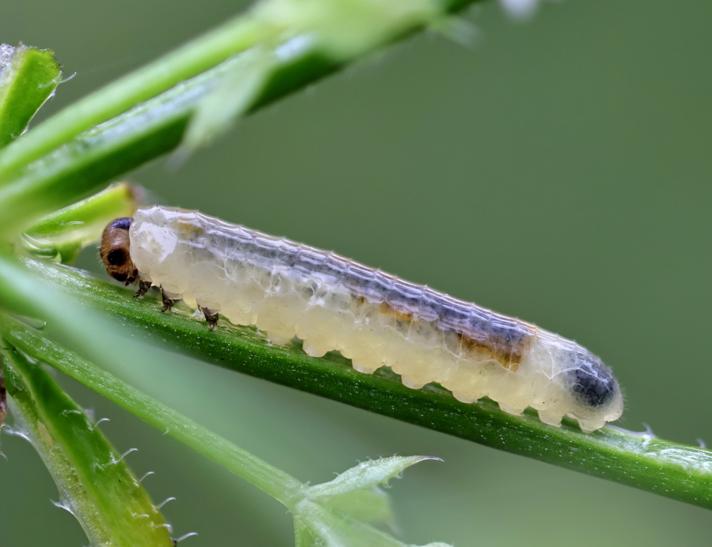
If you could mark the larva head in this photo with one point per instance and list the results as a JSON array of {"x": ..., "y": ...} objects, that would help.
[{"x": 115, "y": 251}]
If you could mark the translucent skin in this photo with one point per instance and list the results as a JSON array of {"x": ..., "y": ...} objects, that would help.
[{"x": 374, "y": 319}]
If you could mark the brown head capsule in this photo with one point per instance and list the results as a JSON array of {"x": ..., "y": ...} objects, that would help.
[{"x": 115, "y": 251}]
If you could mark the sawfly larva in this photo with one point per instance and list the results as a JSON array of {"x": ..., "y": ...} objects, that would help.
[{"x": 331, "y": 303}]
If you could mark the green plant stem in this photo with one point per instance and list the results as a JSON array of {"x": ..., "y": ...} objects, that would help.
[
  {"x": 95, "y": 483},
  {"x": 187, "y": 61},
  {"x": 85, "y": 163},
  {"x": 64, "y": 233},
  {"x": 640, "y": 460},
  {"x": 342, "y": 511},
  {"x": 260, "y": 474},
  {"x": 190, "y": 59},
  {"x": 76, "y": 163},
  {"x": 154, "y": 128}
]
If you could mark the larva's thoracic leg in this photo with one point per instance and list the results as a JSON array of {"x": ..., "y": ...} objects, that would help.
[
  {"x": 143, "y": 287},
  {"x": 168, "y": 303},
  {"x": 210, "y": 316}
]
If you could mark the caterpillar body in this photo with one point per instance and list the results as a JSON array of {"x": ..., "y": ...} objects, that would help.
[{"x": 375, "y": 319}]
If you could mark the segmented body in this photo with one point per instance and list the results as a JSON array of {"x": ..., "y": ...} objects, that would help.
[{"x": 374, "y": 319}]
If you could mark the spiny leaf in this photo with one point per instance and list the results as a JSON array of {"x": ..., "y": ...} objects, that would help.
[
  {"x": 366, "y": 475},
  {"x": 94, "y": 482},
  {"x": 28, "y": 77},
  {"x": 355, "y": 494}
]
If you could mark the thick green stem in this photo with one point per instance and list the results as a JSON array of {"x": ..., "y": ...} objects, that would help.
[
  {"x": 270, "y": 480},
  {"x": 640, "y": 460}
]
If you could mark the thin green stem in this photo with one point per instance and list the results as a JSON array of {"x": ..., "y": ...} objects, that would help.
[
  {"x": 272, "y": 481},
  {"x": 78, "y": 160},
  {"x": 640, "y": 460},
  {"x": 185, "y": 62},
  {"x": 85, "y": 163},
  {"x": 203, "y": 53}
]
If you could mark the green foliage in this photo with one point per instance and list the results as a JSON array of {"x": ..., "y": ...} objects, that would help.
[
  {"x": 183, "y": 101},
  {"x": 342, "y": 511},
  {"x": 95, "y": 483},
  {"x": 64, "y": 233},
  {"x": 28, "y": 77},
  {"x": 641, "y": 460},
  {"x": 283, "y": 50},
  {"x": 76, "y": 152}
]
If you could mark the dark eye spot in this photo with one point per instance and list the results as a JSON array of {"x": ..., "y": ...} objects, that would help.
[{"x": 116, "y": 257}]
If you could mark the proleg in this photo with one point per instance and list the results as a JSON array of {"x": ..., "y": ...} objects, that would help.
[{"x": 375, "y": 319}]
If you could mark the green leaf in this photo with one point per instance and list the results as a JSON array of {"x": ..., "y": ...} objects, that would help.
[
  {"x": 366, "y": 475},
  {"x": 28, "y": 77},
  {"x": 64, "y": 233},
  {"x": 356, "y": 492},
  {"x": 331, "y": 529},
  {"x": 370, "y": 505},
  {"x": 94, "y": 482}
]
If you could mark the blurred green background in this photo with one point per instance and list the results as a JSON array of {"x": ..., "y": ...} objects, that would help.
[{"x": 558, "y": 170}]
